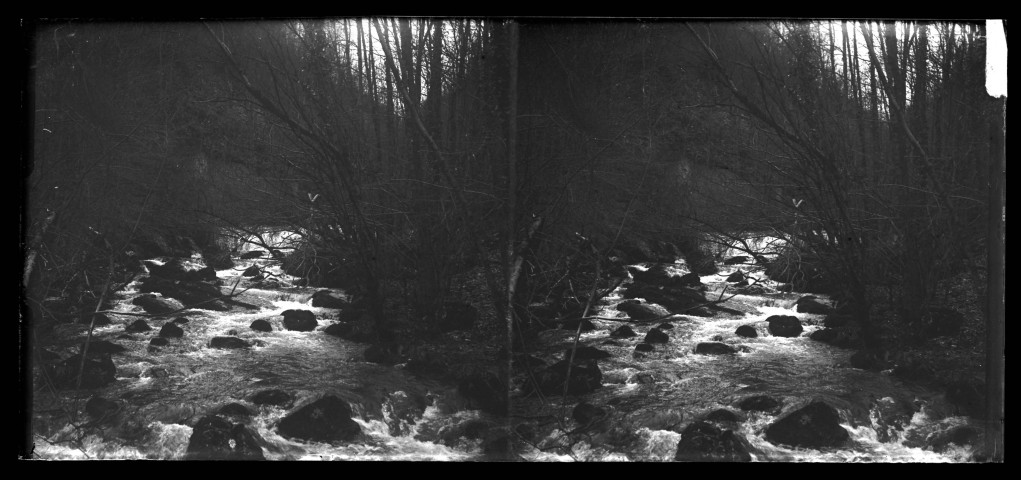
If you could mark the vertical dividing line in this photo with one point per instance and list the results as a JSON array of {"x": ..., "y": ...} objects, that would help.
[{"x": 512, "y": 134}]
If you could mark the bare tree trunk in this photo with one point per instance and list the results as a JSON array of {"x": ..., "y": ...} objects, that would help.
[{"x": 512, "y": 134}]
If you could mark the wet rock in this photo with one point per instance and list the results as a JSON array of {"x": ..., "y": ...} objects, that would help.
[
  {"x": 234, "y": 410},
  {"x": 251, "y": 271},
  {"x": 656, "y": 275},
  {"x": 623, "y": 331},
  {"x": 642, "y": 311},
  {"x": 214, "y": 438},
  {"x": 746, "y": 331},
  {"x": 181, "y": 320},
  {"x": 252, "y": 254},
  {"x": 351, "y": 315},
  {"x": 714, "y": 348},
  {"x": 816, "y": 425},
  {"x": 585, "y": 413},
  {"x": 401, "y": 410},
  {"x": 665, "y": 326},
  {"x": 656, "y": 336},
  {"x": 676, "y": 300},
  {"x": 690, "y": 280},
  {"x": 612, "y": 343},
  {"x": 722, "y": 415},
  {"x": 888, "y": 417},
  {"x": 261, "y": 326},
  {"x": 326, "y": 299},
  {"x": 386, "y": 353},
  {"x": 299, "y": 320},
  {"x": 155, "y": 305},
  {"x": 643, "y": 378},
  {"x": 138, "y": 326},
  {"x": 585, "y": 377},
  {"x": 232, "y": 332},
  {"x": 192, "y": 293},
  {"x": 227, "y": 342},
  {"x": 811, "y": 304},
  {"x": 473, "y": 429},
  {"x": 784, "y": 326},
  {"x": 584, "y": 352},
  {"x": 704, "y": 442},
  {"x": 572, "y": 324},
  {"x": 760, "y": 403},
  {"x": 735, "y": 277},
  {"x": 457, "y": 316},
  {"x": 486, "y": 391},
  {"x": 325, "y": 420},
  {"x": 717, "y": 338},
  {"x": 272, "y": 397},
  {"x": 785, "y": 287},
  {"x": 644, "y": 347},
  {"x": 100, "y": 320},
  {"x": 159, "y": 342},
  {"x": 961, "y": 435},
  {"x": 736, "y": 260},
  {"x": 171, "y": 330},
  {"x": 99, "y": 408}
]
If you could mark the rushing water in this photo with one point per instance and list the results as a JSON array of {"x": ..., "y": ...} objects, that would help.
[{"x": 163, "y": 391}]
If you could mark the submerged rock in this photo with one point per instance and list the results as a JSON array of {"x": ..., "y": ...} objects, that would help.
[
  {"x": 325, "y": 420},
  {"x": 816, "y": 425},
  {"x": 704, "y": 442},
  {"x": 214, "y": 438}
]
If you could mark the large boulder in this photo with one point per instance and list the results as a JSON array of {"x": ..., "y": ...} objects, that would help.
[
  {"x": 676, "y": 299},
  {"x": 714, "y": 348},
  {"x": 811, "y": 304},
  {"x": 656, "y": 335},
  {"x": 299, "y": 320},
  {"x": 585, "y": 377},
  {"x": 585, "y": 413},
  {"x": 156, "y": 305},
  {"x": 641, "y": 311},
  {"x": 227, "y": 342},
  {"x": 704, "y": 442},
  {"x": 215, "y": 438},
  {"x": 326, "y": 299},
  {"x": 261, "y": 325},
  {"x": 736, "y": 277},
  {"x": 251, "y": 271},
  {"x": 99, "y": 347},
  {"x": 325, "y": 420},
  {"x": 784, "y": 326},
  {"x": 816, "y": 425},
  {"x": 457, "y": 316},
  {"x": 191, "y": 293},
  {"x": 847, "y": 336},
  {"x": 690, "y": 280},
  {"x": 656, "y": 275},
  {"x": 100, "y": 408}
]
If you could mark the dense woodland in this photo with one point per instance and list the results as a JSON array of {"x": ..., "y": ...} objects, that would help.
[{"x": 516, "y": 164}]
